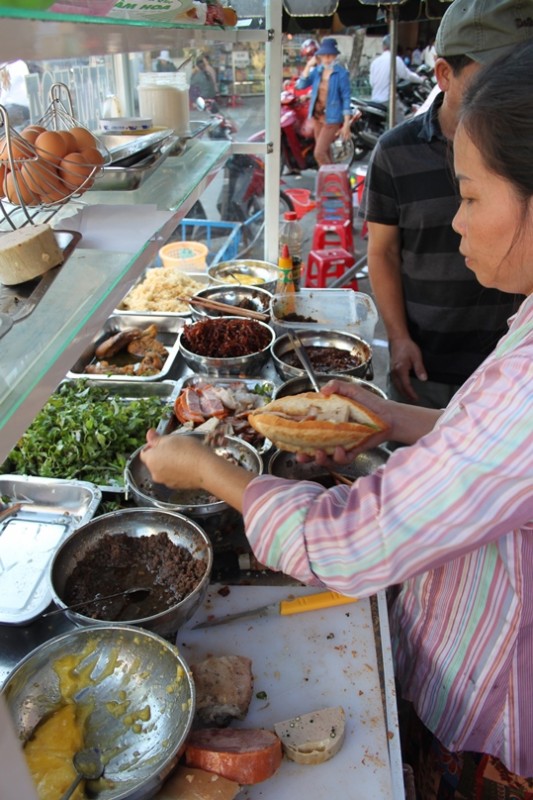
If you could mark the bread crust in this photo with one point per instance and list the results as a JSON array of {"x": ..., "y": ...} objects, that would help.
[{"x": 311, "y": 421}]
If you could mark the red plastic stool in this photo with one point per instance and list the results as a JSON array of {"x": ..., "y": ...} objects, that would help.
[
  {"x": 331, "y": 233},
  {"x": 325, "y": 265},
  {"x": 335, "y": 209},
  {"x": 333, "y": 179}
]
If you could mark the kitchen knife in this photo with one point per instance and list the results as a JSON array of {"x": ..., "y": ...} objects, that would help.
[{"x": 309, "y": 602}]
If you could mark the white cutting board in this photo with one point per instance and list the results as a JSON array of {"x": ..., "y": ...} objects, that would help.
[{"x": 305, "y": 662}]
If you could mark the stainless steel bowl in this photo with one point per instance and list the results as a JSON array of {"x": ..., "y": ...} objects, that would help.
[
  {"x": 285, "y": 465},
  {"x": 135, "y": 522},
  {"x": 251, "y": 298},
  {"x": 195, "y": 504},
  {"x": 348, "y": 342},
  {"x": 303, "y": 384},
  {"x": 106, "y": 662},
  {"x": 246, "y": 270},
  {"x": 250, "y": 364}
]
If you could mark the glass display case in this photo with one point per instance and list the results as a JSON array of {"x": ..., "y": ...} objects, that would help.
[{"x": 37, "y": 351}]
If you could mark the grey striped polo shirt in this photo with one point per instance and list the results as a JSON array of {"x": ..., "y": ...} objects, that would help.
[{"x": 455, "y": 321}]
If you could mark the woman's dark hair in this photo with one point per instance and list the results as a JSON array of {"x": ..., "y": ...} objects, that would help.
[{"x": 497, "y": 114}]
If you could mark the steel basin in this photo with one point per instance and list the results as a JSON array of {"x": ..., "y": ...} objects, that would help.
[
  {"x": 135, "y": 522},
  {"x": 112, "y": 660}
]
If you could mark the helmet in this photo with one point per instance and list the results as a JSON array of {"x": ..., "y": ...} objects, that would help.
[{"x": 309, "y": 48}]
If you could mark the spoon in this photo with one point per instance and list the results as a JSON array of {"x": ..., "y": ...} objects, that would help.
[
  {"x": 135, "y": 593},
  {"x": 89, "y": 766},
  {"x": 305, "y": 361}
]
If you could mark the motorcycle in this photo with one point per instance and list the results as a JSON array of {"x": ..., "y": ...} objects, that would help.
[
  {"x": 413, "y": 95},
  {"x": 221, "y": 127},
  {"x": 242, "y": 196},
  {"x": 297, "y": 141},
  {"x": 369, "y": 121}
]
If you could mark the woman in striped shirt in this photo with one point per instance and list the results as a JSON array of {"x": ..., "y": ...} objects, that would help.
[{"x": 450, "y": 517}]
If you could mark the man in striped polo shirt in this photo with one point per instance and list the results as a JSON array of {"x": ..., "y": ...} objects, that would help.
[{"x": 441, "y": 323}]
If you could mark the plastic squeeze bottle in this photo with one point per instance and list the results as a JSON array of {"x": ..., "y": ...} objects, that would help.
[
  {"x": 285, "y": 283},
  {"x": 291, "y": 234}
]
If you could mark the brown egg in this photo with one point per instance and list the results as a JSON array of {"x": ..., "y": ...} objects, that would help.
[
  {"x": 92, "y": 156},
  {"x": 230, "y": 16},
  {"x": 70, "y": 141},
  {"x": 54, "y": 194},
  {"x": 19, "y": 149},
  {"x": 41, "y": 177},
  {"x": 32, "y": 132},
  {"x": 50, "y": 146},
  {"x": 83, "y": 137},
  {"x": 3, "y": 170},
  {"x": 73, "y": 170},
  {"x": 11, "y": 182}
]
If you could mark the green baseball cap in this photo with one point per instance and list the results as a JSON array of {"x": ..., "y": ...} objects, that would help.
[{"x": 484, "y": 30}]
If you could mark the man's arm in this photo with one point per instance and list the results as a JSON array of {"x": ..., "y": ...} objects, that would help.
[
  {"x": 402, "y": 71},
  {"x": 384, "y": 268}
]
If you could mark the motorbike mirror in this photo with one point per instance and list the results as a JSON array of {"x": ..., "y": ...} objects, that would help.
[{"x": 200, "y": 103}]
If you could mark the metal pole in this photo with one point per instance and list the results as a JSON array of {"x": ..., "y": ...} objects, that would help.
[
  {"x": 273, "y": 80},
  {"x": 393, "y": 33}
]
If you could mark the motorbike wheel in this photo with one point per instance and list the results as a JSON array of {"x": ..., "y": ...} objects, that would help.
[
  {"x": 343, "y": 152},
  {"x": 252, "y": 232}
]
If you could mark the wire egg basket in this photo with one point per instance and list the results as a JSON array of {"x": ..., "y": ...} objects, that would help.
[{"x": 48, "y": 163}]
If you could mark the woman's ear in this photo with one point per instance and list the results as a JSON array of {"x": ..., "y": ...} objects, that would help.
[{"x": 443, "y": 73}]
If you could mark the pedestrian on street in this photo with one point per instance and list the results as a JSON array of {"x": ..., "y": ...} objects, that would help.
[
  {"x": 329, "y": 107},
  {"x": 380, "y": 73}
]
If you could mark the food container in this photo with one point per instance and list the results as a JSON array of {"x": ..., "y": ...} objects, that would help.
[
  {"x": 51, "y": 510},
  {"x": 285, "y": 465},
  {"x": 263, "y": 391},
  {"x": 164, "y": 96},
  {"x": 162, "y": 287},
  {"x": 326, "y": 309},
  {"x": 188, "y": 256},
  {"x": 250, "y": 364},
  {"x": 121, "y": 124},
  {"x": 337, "y": 340},
  {"x": 192, "y": 503},
  {"x": 303, "y": 384},
  {"x": 251, "y": 298},
  {"x": 246, "y": 271},
  {"x": 168, "y": 330},
  {"x": 134, "y": 522},
  {"x": 108, "y": 663}
]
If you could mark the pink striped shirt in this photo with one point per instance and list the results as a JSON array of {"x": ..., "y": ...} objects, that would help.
[{"x": 451, "y": 518}]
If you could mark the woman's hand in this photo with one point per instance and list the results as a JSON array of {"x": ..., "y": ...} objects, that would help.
[
  {"x": 345, "y": 132},
  {"x": 175, "y": 461}
]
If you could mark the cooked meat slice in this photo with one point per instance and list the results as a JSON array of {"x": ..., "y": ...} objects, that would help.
[
  {"x": 223, "y": 689},
  {"x": 115, "y": 343},
  {"x": 146, "y": 345}
]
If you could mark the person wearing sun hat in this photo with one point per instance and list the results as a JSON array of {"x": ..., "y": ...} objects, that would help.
[
  {"x": 440, "y": 323},
  {"x": 329, "y": 107}
]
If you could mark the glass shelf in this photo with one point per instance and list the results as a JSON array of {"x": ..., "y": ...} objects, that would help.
[{"x": 39, "y": 350}]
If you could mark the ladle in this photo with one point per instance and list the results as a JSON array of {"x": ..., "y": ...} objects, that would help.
[
  {"x": 89, "y": 766},
  {"x": 305, "y": 361},
  {"x": 135, "y": 593}
]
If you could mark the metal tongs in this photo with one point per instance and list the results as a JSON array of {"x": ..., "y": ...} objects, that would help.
[{"x": 305, "y": 361}]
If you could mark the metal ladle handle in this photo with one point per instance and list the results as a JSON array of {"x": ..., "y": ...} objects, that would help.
[{"x": 305, "y": 361}]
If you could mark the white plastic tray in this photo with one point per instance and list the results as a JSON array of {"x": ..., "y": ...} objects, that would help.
[{"x": 330, "y": 309}]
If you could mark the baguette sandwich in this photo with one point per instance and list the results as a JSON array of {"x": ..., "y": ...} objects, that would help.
[{"x": 305, "y": 423}]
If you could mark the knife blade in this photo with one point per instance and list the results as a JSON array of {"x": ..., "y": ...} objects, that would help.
[{"x": 308, "y": 602}]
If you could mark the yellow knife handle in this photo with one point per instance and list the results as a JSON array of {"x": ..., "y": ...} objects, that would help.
[{"x": 311, "y": 602}]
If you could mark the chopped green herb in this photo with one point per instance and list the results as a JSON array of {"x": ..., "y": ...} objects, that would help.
[
  {"x": 261, "y": 695},
  {"x": 84, "y": 432}
]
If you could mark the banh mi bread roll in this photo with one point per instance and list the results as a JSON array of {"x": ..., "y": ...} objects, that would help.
[{"x": 307, "y": 422}]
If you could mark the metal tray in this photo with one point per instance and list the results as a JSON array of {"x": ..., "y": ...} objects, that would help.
[
  {"x": 173, "y": 424},
  {"x": 201, "y": 277},
  {"x": 21, "y": 299},
  {"x": 124, "y": 146},
  {"x": 129, "y": 173},
  {"x": 168, "y": 334},
  {"x": 51, "y": 510}
]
